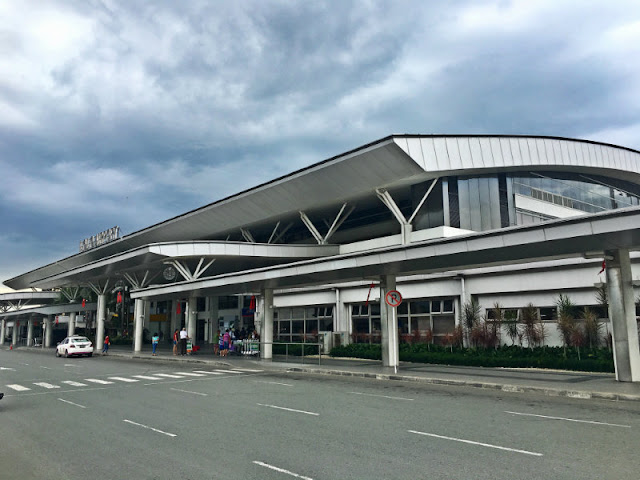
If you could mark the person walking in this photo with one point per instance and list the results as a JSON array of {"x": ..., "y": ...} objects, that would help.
[
  {"x": 216, "y": 340},
  {"x": 176, "y": 337},
  {"x": 183, "y": 341},
  {"x": 105, "y": 347},
  {"x": 154, "y": 343}
]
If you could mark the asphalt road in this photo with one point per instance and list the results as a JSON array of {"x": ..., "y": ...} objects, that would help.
[{"x": 156, "y": 420}]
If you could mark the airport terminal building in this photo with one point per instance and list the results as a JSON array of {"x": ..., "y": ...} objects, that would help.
[{"x": 310, "y": 255}]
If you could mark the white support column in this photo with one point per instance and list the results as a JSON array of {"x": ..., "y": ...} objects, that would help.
[
  {"x": 192, "y": 315},
  {"x": 101, "y": 313},
  {"x": 138, "y": 319},
  {"x": 266, "y": 334},
  {"x": 29, "y": 332},
  {"x": 3, "y": 328},
  {"x": 388, "y": 324},
  {"x": 48, "y": 327},
  {"x": 622, "y": 313},
  {"x": 14, "y": 333},
  {"x": 72, "y": 324}
]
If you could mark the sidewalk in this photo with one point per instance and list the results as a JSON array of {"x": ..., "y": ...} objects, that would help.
[{"x": 546, "y": 382}]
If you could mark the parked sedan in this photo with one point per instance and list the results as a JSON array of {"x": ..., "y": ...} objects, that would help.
[{"x": 75, "y": 345}]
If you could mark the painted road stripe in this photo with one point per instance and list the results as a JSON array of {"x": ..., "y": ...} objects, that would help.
[
  {"x": 8, "y": 368},
  {"x": 147, "y": 377},
  {"x": 123, "y": 379},
  {"x": 569, "y": 419},
  {"x": 150, "y": 428},
  {"x": 71, "y": 403},
  {"x": 97, "y": 380},
  {"x": 383, "y": 396},
  {"x": 210, "y": 373},
  {"x": 18, "y": 388},
  {"x": 74, "y": 384},
  {"x": 476, "y": 443},
  {"x": 189, "y": 391},
  {"x": 46, "y": 385},
  {"x": 275, "y": 383},
  {"x": 191, "y": 374},
  {"x": 168, "y": 375},
  {"x": 226, "y": 371},
  {"x": 281, "y": 470},
  {"x": 250, "y": 370},
  {"x": 288, "y": 409}
]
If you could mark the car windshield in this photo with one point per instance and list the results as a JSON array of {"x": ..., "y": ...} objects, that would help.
[{"x": 80, "y": 340}]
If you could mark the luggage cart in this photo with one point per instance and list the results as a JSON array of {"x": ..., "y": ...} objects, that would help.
[{"x": 250, "y": 347}]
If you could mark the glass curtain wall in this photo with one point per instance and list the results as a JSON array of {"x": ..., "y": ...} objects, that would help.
[{"x": 302, "y": 324}]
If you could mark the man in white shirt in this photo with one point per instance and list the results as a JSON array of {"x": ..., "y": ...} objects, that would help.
[{"x": 183, "y": 341}]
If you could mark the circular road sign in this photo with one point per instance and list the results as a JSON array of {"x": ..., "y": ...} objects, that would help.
[{"x": 393, "y": 298}]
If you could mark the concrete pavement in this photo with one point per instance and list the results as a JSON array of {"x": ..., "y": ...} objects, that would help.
[{"x": 583, "y": 385}]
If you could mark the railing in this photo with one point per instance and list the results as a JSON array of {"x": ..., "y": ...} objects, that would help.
[{"x": 302, "y": 348}]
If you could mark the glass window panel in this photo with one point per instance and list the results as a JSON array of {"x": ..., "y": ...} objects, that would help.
[
  {"x": 375, "y": 324},
  {"x": 312, "y": 312},
  {"x": 285, "y": 326},
  {"x": 355, "y": 309},
  {"x": 375, "y": 308},
  {"x": 326, "y": 324},
  {"x": 420, "y": 306},
  {"x": 435, "y": 306},
  {"x": 447, "y": 306},
  {"x": 297, "y": 326},
  {"x": 329, "y": 311},
  {"x": 297, "y": 338},
  {"x": 403, "y": 308},
  {"x": 421, "y": 323},
  {"x": 403, "y": 325},
  {"x": 361, "y": 325},
  {"x": 443, "y": 324},
  {"x": 311, "y": 327},
  {"x": 297, "y": 313}
]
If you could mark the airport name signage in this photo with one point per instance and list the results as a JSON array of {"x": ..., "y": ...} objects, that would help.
[{"x": 100, "y": 239}]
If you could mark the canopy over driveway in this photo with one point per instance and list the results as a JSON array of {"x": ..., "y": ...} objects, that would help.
[{"x": 610, "y": 234}]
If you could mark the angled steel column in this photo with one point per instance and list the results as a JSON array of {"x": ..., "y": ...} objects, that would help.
[
  {"x": 388, "y": 324},
  {"x": 101, "y": 313},
  {"x": 266, "y": 335},
  {"x": 622, "y": 313}
]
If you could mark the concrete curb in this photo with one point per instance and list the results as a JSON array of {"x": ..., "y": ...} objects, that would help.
[{"x": 553, "y": 392}]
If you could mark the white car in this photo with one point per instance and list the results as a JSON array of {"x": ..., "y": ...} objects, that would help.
[{"x": 75, "y": 345}]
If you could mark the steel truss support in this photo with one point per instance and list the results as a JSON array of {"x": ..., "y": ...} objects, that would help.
[
  {"x": 185, "y": 271},
  {"x": 337, "y": 222}
]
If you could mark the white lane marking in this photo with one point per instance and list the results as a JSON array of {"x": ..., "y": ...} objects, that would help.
[
  {"x": 383, "y": 396},
  {"x": 227, "y": 371},
  {"x": 288, "y": 409},
  {"x": 275, "y": 383},
  {"x": 32, "y": 394},
  {"x": 97, "y": 380},
  {"x": 189, "y": 391},
  {"x": 123, "y": 379},
  {"x": 46, "y": 385},
  {"x": 168, "y": 375},
  {"x": 210, "y": 373},
  {"x": 250, "y": 370},
  {"x": 191, "y": 374},
  {"x": 74, "y": 384},
  {"x": 569, "y": 419},
  {"x": 47, "y": 368},
  {"x": 70, "y": 365},
  {"x": 281, "y": 470},
  {"x": 7, "y": 368},
  {"x": 476, "y": 443},
  {"x": 147, "y": 377},
  {"x": 71, "y": 403},
  {"x": 150, "y": 428},
  {"x": 18, "y": 388}
]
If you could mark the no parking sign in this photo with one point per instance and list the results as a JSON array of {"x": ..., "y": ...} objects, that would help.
[{"x": 393, "y": 298}]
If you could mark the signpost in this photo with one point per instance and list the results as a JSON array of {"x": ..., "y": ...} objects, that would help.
[{"x": 393, "y": 298}]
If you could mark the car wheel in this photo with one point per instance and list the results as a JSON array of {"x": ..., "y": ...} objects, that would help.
[
  {"x": 66, "y": 354},
  {"x": 57, "y": 353}
]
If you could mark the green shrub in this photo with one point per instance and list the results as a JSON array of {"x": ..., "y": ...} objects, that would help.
[{"x": 592, "y": 360}]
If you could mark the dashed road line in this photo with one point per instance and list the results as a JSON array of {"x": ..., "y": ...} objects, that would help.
[
  {"x": 97, "y": 380},
  {"x": 189, "y": 391},
  {"x": 150, "y": 428},
  {"x": 288, "y": 409},
  {"x": 147, "y": 377},
  {"x": 46, "y": 385},
  {"x": 168, "y": 375},
  {"x": 281, "y": 470},
  {"x": 569, "y": 419},
  {"x": 74, "y": 384},
  {"x": 275, "y": 383},
  {"x": 18, "y": 388},
  {"x": 191, "y": 374},
  {"x": 71, "y": 403},
  {"x": 383, "y": 396},
  {"x": 526, "y": 452},
  {"x": 210, "y": 373},
  {"x": 124, "y": 379}
]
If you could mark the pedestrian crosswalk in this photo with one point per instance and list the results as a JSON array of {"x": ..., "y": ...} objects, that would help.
[{"x": 126, "y": 379}]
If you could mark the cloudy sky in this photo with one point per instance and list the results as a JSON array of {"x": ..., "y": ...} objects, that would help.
[{"x": 130, "y": 112}]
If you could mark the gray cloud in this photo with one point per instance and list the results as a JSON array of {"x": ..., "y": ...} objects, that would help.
[{"x": 128, "y": 113}]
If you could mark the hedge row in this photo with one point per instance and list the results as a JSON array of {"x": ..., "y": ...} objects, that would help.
[{"x": 589, "y": 360}]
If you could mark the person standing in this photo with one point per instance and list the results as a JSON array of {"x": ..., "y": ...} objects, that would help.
[
  {"x": 154, "y": 343},
  {"x": 183, "y": 341},
  {"x": 226, "y": 338},
  {"x": 176, "y": 337},
  {"x": 107, "y": 342},
  {"x": 216, "y": 340}
]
